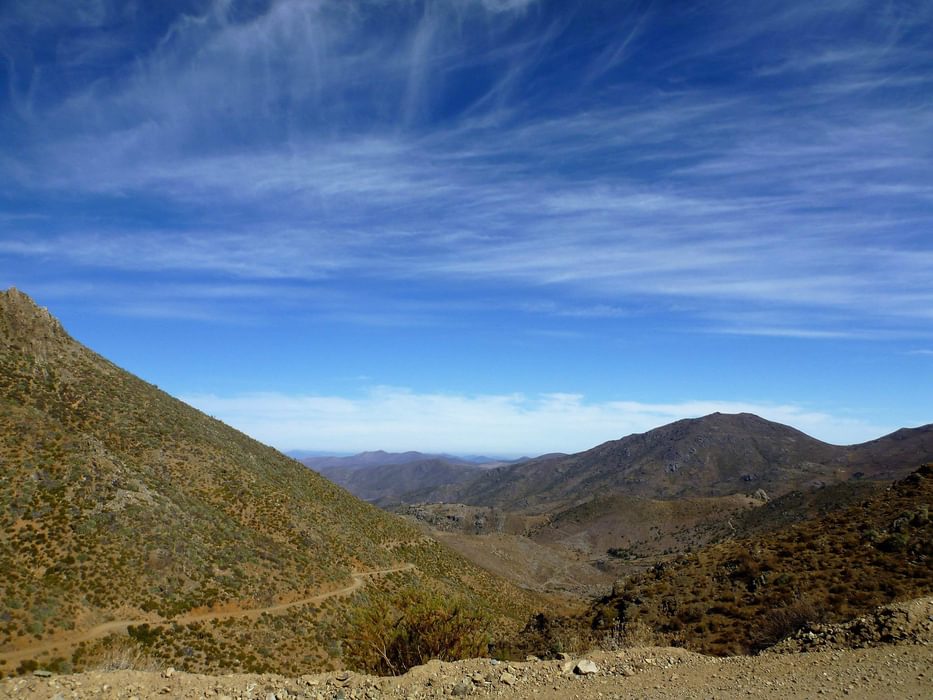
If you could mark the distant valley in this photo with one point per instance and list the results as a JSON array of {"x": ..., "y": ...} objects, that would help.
[
  {"x": 574, "y": 523},
  {"x": 387, "y": 478}
]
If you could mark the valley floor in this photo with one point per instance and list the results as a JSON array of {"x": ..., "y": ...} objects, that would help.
[{"x": 901, "y": 671}]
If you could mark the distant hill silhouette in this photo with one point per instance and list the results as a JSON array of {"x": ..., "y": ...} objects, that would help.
[
  {"x": 717, "y": 455},
  {"x": 389, "y": 478}
]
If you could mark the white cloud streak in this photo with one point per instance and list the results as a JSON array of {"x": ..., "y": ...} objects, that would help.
[{"x": 398, "y": 419}]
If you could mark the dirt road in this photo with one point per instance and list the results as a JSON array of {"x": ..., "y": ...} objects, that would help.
[{"x": 61, "y": 644}]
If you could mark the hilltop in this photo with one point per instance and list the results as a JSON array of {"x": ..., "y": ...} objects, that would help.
[
  {"x": 716, "y": 455},
  {"x": 123, "y": 509}
]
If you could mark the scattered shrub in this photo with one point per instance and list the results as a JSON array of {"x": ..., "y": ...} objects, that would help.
[
  {"x": 391, "y": 635},
  {"x": 780, "y": 623}
]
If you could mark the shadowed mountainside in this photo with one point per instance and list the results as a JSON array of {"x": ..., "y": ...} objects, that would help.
[
  {"x": 628, "y": 504},
  {"x": 389, "y": 484},
  {"x": 391, "y": 478}
]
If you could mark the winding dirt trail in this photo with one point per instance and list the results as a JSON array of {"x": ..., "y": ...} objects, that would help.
[{"x": 66, "y": 641}]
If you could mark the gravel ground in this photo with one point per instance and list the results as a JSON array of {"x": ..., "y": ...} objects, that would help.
[{"x": 894, "y": 671}]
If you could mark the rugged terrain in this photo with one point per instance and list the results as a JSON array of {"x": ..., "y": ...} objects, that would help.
[
  {"x": 900, "y": 666},
  {"x": 623, "y": 506},
  {"x": 393, "y": 478},
  {"x": 393, "y": 483},
  {"x": 120, "y": 506},
  {"x": 744, "y": 595},
  {"x": 145, "y": 543}
]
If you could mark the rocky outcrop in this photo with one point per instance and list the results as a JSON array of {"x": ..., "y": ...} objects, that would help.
[{"x": 899, "y": 623}]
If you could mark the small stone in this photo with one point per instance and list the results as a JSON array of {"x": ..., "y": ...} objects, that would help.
[
  {"x": 507, "y": 678},
  {"x": 585, "y": 667},
  {"x": 168, "y": 673}
]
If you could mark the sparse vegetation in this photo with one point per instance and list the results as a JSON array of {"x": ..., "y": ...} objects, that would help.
[
  {"x": 115, "y": 496},
  {"x": 744, "y": 595}
]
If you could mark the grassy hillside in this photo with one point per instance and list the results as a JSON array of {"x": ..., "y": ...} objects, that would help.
[{"x": 118, "y": 502}]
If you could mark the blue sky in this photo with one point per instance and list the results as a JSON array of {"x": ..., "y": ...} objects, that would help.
[{"x": 501, "y": 226}]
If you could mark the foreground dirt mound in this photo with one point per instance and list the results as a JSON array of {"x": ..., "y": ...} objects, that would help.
[{"x": 902, "y": 671}]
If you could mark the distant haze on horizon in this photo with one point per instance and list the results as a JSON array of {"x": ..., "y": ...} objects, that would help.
[
  {"x": 496, "y": 426},
  {"x": 499, "y": 227}
]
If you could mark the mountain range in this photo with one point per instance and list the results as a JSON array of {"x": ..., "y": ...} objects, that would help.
[
  {"x": 717, "y": 455},
  {"x": 620, "y": 507},
  {"x": 391, "y": 478}
]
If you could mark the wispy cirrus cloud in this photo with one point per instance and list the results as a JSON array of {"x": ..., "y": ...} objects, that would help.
[{"x": 299, "y": 143}]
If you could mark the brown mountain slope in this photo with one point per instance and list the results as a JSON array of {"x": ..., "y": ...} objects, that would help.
[
  {"x": 118, "y": 502},
  {"x": 717, "y": 455},
  {"x": 743, "y": 595}
]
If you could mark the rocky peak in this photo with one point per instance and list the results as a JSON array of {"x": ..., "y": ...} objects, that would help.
[{"x": 27, "y": 326}]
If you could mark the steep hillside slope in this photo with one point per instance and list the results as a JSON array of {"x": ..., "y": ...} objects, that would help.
[{"x": 118, "y": 502}]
